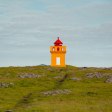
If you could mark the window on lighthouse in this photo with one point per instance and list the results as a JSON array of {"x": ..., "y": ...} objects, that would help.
[{"x": 57, "y": 60}]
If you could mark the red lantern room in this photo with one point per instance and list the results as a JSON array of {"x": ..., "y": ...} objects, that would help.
[{"x": 58, "y": 42}]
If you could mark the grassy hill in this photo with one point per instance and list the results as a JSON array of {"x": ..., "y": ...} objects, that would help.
[{"x": 48, "y": 89}]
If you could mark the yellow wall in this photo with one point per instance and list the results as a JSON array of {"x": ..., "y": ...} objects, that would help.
[{"x": 58, "y": 51}]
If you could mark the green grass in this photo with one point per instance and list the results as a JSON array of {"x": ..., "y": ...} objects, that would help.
[{"x": 87, "y": 95}]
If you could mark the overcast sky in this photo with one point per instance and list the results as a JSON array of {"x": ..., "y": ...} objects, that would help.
[{"x": 29, "y": 27}]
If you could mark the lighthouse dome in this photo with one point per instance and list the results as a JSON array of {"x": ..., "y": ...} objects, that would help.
[{"x": 58, "y": 42}]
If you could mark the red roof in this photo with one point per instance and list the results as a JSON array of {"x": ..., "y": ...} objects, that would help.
[{"x": 58, "y": 42}]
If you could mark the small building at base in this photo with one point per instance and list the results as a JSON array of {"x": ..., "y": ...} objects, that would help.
[{"x": 58, "y": 54}]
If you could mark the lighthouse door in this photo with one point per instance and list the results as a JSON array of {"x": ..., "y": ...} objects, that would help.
[{"x": 57, "y": 60}]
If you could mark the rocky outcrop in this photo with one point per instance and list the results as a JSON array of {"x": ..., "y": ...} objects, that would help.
[
  {"x": 58, "y": 77},
  {"x": 8, "y": 111},
  {"x": 109, "y": 80},
  {"x": 56, "y": 92},
  {"x": 75, "y": 79},
  {"x": 94, "y": 75},
  {"x": 30, "y": 76},
  {"x": 6, "y": 85},
  {"x": 104, "y": 68}
]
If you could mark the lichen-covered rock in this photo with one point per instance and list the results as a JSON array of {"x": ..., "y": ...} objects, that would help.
[
  {"x": 58, "y": 77},
  {"x": 6, "y": 85},
  {"x": 90, "y": 75},
  {"x": 50, "y": 69},
  {"x": 104, "y": 68},
  {"x": 56, "y": 92},
  {"x": 94, "y": 75},
  {"x": 30, "y": 76},
  {"x": 109, "y": 80},
  {"x": 75, "y": 79},
  {"x": 8, "y": 111}
]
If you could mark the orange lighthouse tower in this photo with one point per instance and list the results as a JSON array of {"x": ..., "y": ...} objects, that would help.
[{"x": 58, "y": 54}]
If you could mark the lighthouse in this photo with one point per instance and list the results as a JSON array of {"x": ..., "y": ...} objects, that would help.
[{"x": 58, "y": 52}]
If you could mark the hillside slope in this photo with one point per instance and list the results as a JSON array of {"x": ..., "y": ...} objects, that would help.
[{"x": 47, "y": 89}]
